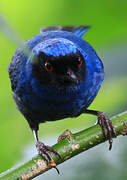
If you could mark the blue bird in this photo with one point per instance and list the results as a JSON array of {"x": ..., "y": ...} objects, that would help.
[{"x": 60, "y": 79}]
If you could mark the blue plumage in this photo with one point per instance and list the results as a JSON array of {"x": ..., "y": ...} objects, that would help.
[
  {"x": 62, "y": 101},
  {"x": 59, "y": 79}
]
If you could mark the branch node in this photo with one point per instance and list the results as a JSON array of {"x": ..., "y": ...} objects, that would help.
[
  {"x": 124, "y": 130},
  {"x": 67, "y": 134}
]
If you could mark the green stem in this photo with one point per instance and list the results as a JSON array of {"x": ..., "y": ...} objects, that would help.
[{"x": 67, "y": 147}]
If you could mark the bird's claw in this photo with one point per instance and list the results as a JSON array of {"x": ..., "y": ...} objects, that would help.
[
  {"x": 108, "y": 129},
  {"x": 44, "y": 151}
]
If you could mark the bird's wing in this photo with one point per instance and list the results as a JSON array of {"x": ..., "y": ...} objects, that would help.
[{"x": 77, "y": 30}]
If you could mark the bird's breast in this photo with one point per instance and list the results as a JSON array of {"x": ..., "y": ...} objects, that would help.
[{"x": 56, "y": 102}]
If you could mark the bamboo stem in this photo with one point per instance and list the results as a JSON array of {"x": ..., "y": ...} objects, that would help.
[{"x": 67, "y": 147}]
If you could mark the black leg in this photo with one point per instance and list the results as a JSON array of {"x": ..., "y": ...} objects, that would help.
[
  {"x": 106, "y": 124},
  {"x": 45, "y": 151}
]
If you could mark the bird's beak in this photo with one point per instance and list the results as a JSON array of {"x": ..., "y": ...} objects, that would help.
[{"x": 71, "y": 77}]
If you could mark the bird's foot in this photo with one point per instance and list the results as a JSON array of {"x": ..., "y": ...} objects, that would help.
[
  {"x": 44, "y": 151},
  {"x": 108, "y": 129}
]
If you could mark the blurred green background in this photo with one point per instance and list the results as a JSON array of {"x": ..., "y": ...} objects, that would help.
[{"x": 108, "y": 35}]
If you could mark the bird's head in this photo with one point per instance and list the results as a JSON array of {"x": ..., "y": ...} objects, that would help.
[{"x": 58, "y": 62}]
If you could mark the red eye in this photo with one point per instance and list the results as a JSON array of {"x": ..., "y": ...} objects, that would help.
[
  {"x": 48, "y": 67},
  {"x": 79, "y": 62}
]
